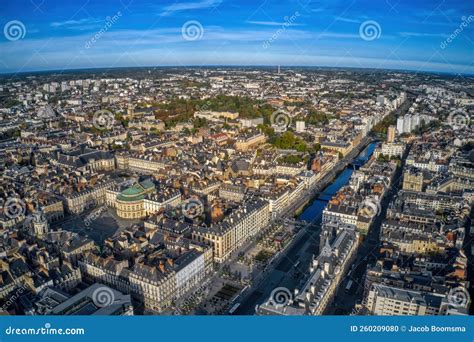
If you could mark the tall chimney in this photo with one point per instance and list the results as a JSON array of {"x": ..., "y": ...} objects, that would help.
[{"x": 162, "y": 267}]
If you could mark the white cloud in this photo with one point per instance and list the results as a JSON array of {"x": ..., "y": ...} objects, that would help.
[
  {"x": 272, "y": 23},
  {"x": 346, "y": 20},
  {"x": 186, "y": 6},
  {"x": 423, "y": 34},
  {"x": 80, "y": 24}
]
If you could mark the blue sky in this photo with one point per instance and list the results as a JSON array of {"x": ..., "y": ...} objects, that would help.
[{"x": 412, "y": 35}]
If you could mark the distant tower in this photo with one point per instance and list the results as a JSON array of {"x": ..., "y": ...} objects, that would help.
[{"x": 278, "y": 69}]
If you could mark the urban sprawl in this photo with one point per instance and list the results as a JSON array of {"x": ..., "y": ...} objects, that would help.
[{"x": 217, "y": 191}]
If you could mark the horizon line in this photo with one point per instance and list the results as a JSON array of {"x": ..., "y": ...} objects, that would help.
[{"x": 191, "y": 66}]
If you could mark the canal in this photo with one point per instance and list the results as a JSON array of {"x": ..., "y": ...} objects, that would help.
[
  {"x": 284, "y": 273},
  {"x": 315, "y": 209}
]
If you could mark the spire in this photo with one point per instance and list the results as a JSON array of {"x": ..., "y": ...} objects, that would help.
[{"x": 326, "y": 251}]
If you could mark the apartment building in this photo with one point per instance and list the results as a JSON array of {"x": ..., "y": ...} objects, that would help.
[
  {"x": 391, "y": 301},
  {"x": 78, "y": 202},
  {"x": 156, "y": 283},
  {"x": 227, "y": 236},
  {"x": 249, "y": 140}
]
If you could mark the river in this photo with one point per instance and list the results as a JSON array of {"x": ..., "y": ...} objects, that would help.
[
  {"x": 315, "y": 209},
  {"x": 282, "y": 274}
]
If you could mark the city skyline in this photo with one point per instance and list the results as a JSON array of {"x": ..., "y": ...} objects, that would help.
[
  {"x": 425, "y": 37},
  {"x": 220, "y": 158}
]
